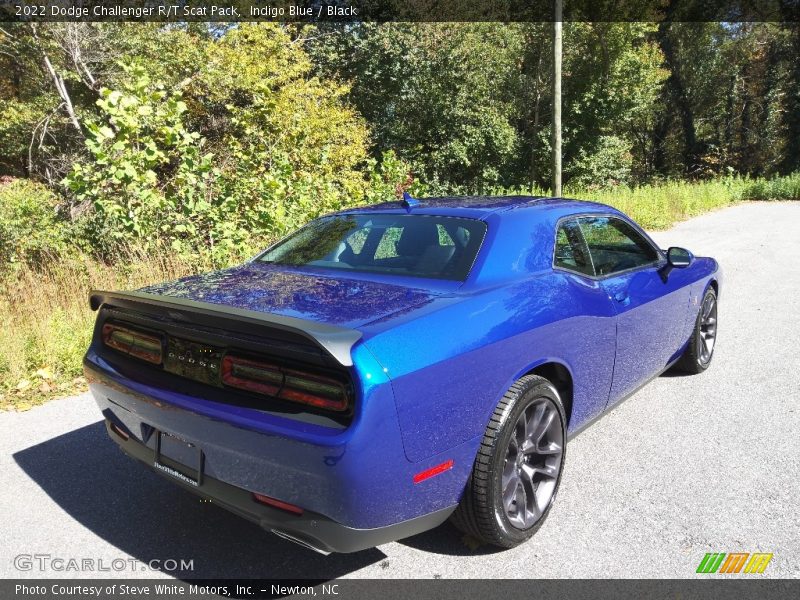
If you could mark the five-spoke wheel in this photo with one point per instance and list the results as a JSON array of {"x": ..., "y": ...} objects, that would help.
[
  {"x": 700, "y": 349},
  {"x": 708, "y": 328},
  {"x": 533, "y": 463},
  {"x": 518, "y": 468}
]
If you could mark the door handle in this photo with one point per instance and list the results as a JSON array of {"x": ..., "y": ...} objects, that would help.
[{"x": 623, "y": 298}]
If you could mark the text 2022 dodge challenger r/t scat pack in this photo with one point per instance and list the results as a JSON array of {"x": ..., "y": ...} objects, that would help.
[{"x": 385, "y": 368}]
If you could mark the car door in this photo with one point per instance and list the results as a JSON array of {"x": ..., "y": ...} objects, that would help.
[
  {"x": 650, "y": 308},
  {"x": 593, "y": 334}
]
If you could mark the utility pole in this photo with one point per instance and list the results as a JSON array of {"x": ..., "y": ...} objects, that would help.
[{"x": 557, "y": 16}]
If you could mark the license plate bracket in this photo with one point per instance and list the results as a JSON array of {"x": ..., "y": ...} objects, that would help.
[{"x": 179, "y": 458}]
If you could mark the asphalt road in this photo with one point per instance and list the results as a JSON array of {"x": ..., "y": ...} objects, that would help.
[{"x": 688, "y": 465}]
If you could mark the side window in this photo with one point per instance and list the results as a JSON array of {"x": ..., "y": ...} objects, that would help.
[
  {"x": 570, "y": 250},
  {"x": 357, "y": 239},
  {"x": 615, "y": 246},
  {"x": 444, "y": 237},
  {"x": 387, "y": 247}
]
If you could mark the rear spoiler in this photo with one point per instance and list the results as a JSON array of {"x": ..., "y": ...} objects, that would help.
[{"x": 336, "y": 341}]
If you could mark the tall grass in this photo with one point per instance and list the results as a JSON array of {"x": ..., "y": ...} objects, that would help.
[
  {"x": 46, "y": 323},
  {"x": 659, "y": 206}
]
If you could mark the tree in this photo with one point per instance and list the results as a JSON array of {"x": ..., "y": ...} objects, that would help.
[
  {"x": 791, "y": 157},
  {"x": 612, "y": 79},
  {"x": 245, "y": 149},
  {"x": 51, "y": 74},
  {"x": 146, "y": 176},
  {"x": 444, "y": 96},
  {"x": 289, "y": 146}
]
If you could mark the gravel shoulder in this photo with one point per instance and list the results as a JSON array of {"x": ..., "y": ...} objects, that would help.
[{"x": 688, "y": 465}]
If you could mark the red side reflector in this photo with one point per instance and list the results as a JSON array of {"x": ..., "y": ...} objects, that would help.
[
  {"x": 433, "y": 471},
  {"x": 261, "y": 498}
]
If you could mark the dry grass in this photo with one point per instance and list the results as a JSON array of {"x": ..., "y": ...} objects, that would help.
[{"x": 46, "y": 322}]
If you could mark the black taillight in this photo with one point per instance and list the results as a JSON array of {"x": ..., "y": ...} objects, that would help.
[
  {"x": 293, "y": 385},
  {"x": 252, "y": 375},
  {"x": 141, "y": 345}
]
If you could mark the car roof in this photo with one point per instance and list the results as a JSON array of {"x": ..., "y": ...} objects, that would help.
[{"x": 480, "y": 207}]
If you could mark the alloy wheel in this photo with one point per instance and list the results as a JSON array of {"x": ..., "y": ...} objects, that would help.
[
  {"x": 708, "y": 329},
  {"x": 532, "y": 464}
]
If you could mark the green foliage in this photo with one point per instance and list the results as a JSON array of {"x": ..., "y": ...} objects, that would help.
[
  {"x": 467, "y": 105},
  {"x": 30, "y": 226},
  {"x": 17, "y": 120},
  {"x": 147, "y": 175},
  {"x": 610, "y": 100},
  {"x": 608, "y": 164},
  {"x": 441, "y": 94},
  {"x": 778, "y": 188},
  {"x": 661, "y": 206},
  {"x": 291, "y": 148},
  {"x": 284, "y": 148}
]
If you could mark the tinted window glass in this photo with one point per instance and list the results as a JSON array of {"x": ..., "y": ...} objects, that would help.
[
  {"x": 411, "y": 245},
  {"x": 614, "y": 245},
  {"x": 571, "y": 252}
]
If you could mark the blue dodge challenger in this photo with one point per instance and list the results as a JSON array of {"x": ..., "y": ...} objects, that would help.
[{"x": 386, "y": 368}]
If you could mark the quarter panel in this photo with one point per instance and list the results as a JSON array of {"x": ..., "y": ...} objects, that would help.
[{"x": 450, "y": 367}]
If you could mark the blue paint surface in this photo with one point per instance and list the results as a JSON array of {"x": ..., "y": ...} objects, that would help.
[{"x": 433, "y": 360}]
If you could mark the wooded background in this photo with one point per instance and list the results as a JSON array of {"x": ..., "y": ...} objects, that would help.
[
  {"x": 147, "y": 130},
  {"x": 131, "y": 153}
]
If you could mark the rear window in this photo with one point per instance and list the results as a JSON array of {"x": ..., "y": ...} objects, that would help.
[{"x": 410, "y": 245}]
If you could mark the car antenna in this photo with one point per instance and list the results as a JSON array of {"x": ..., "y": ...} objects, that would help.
[{"x": 409, "y": 202}]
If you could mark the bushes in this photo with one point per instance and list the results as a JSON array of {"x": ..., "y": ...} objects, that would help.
[
  {"x": 290, "y": 148},
  {"x": 248, "y": 149},
  {"x": 660, "y": 206},
  {"x": 30, "y": 226},
  {"x": 608, "y": 165},
  {"x": 146, "y": 175},
  {"x": 779, "y": 188}
]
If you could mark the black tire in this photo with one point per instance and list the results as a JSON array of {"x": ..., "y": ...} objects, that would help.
[
  {"x": 483, "y": 513},
  {"x": 698, "y": 354}
]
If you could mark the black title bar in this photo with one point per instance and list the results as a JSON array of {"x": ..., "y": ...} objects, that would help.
[
  {"x": 742, "y": 588},
  {"x": 310, "y": 11}
]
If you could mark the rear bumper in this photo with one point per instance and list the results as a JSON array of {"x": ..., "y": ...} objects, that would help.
[
  {"x": 310, "y": 529},
  {"x": 355, "y": 485}
]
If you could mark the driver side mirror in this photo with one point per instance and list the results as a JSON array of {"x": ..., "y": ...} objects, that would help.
[{"x": 679, "y": 258}]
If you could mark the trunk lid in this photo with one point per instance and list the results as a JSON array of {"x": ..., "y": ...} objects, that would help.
[{"x": 333, "y": 300}]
